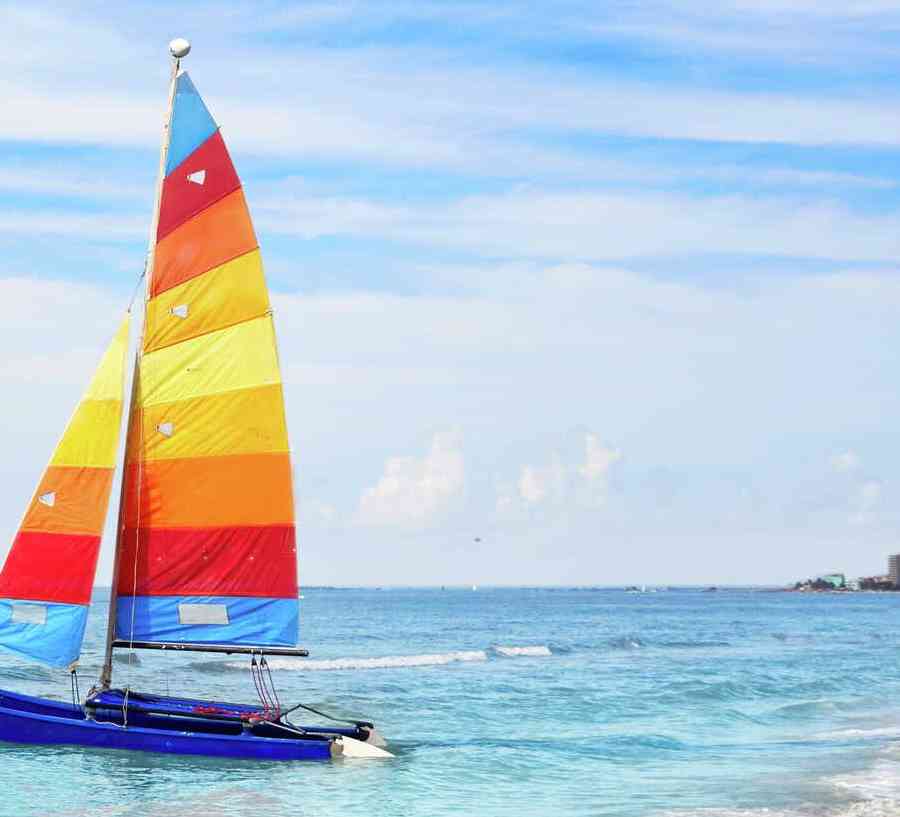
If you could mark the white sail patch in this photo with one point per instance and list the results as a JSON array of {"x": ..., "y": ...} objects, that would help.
[
  {"x": 29, "y": 614},
  {"x": 202, "y": 613},
  {"x": 48, "y": 499},
  {"x": 197, "y": 177},
  {"x": 180, "y": 311},
  {"x": 166, "y": 429}
]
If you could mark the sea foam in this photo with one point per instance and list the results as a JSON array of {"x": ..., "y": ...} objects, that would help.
[
  {"x": 879, "y": 783},
  {"x": 510, "y": 652}
]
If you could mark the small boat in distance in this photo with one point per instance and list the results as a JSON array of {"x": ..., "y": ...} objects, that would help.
[{"x": 205, "y": 557}]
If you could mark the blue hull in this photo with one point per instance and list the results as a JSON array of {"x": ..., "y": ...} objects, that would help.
[{"x": 25, "y": 719}]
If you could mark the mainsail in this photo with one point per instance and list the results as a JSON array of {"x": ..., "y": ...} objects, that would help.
[
  {"x": 45, "y": 584},
  {"x": 206, "y": 551}
]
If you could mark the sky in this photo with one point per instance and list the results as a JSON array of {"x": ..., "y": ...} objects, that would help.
[{"x": 569, "y": 293}]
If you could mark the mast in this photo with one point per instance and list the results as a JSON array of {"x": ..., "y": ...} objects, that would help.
[{"x": 178, "y": 48}]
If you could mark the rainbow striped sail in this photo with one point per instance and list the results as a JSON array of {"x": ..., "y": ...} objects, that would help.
[
  {"x": 206, "y": 551},
  {"x": 46, "y": 581}
]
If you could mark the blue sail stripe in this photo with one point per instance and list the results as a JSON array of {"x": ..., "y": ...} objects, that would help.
[
  {"x": 55, "y": 641},
  {"x": 251, "y": 621},
  {"x": 192, "y": 124}
]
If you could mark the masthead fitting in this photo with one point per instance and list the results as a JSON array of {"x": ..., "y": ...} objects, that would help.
[{"x": 179, "y": 47}]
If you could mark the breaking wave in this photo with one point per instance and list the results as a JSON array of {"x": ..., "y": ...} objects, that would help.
[
  {"x": 511, "y": 652},
  {"x": 395, "y": 661},
  {"x": 875, "y": 792},
  {"x": 880, "y": 783}
]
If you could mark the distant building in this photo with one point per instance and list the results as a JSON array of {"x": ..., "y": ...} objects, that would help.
[
  {"x": 876, "y": 583},
  {"x": 837, "y": 580},
  {"x": 894, "y": 569}
]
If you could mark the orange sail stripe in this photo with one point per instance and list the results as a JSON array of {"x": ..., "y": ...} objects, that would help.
[
  {"x": 217, "y": 234},
  {"x": 70, "y": 500},
  {"x": 223, "y": 296},
  {"x": 246, "y": 421},
  {"x": 244, "y": 490}
]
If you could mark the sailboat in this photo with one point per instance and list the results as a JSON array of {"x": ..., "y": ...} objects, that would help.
[{"x": 205, "y": 556}]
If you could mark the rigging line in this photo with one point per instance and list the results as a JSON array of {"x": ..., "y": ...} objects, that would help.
[
  {"x": 324, "y": 715},
  {"x": 265, "y": 664},
  {"x": 267, "y": 699},
  {"x": 270, "y": 703},
  {"x": 137, "y": 285},
  {"x": 270, "y": 709},
  {"x": 259, "y": 692}
]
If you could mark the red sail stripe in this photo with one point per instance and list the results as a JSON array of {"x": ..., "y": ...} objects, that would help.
[
  {"x": 183, "y": 198},
  {"x": 239, "y": 561},
  {"x": 55, "y": 567}
]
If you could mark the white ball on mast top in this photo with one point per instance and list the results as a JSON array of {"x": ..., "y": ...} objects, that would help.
[{"x": 179, "y": 47}]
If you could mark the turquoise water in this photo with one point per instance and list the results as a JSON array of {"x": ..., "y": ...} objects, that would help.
[{"x": 728, "y": 704}]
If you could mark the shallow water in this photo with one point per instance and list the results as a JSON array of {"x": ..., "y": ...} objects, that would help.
[{"x": 525, "y": 701}]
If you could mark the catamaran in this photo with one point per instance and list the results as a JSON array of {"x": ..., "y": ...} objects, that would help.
[{"x": 205, "y": 556}]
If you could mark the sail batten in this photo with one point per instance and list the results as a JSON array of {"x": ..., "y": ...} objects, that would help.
[
  {"x": 207, "y": 550},
  {"x": 46, "y": 581}
]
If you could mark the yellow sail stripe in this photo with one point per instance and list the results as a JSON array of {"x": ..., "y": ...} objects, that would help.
[
  {"x": 92, "y": 435},
  {"x": 239, "y": 357},
  {"x": 109, "y": 376},
  {"x": 246, "y": 421},
  {"x": 223, "y": 296}
]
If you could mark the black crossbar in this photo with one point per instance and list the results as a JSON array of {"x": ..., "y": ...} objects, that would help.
[{"x": 226, "y": 649}]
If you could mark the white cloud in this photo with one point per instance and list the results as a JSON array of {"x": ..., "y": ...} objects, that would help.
[
  {"x": 113, "y": 227},
  {"x": 570, "y": 226},
  {"x": 401, "y": 105},
  {"x": 66, "y": 178},
  {"x": 547, "y": 484},
  {"x": 845, "y": 461},
  {"x": 694, "y": 380},
  {"x": 561, "y": 486},
  {"x": 598, "y": 459},
  {"x": 596, "y": 468},
  {"x": 417, "y": 490},
  {"x": 866, "y": 500}
]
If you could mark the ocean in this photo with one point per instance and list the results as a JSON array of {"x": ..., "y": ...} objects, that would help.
[{"x": 505, "y": 701}]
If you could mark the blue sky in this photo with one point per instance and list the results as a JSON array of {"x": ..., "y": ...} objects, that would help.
[{"x": 612, "y": 287}]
